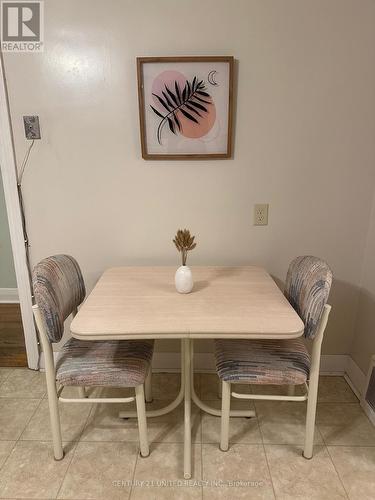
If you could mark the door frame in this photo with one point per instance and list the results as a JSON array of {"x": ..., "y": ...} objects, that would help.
[{"x": 9, "y": 174}]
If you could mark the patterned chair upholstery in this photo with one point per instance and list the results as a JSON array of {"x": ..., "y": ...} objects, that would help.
[
  {"x": 111, "y": 363},
  {"x": 285, "y": 362},
  {"x": 307, "y": 288},
  {"x": 59, "y": 289}
]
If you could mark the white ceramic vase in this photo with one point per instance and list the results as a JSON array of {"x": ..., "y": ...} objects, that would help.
[{"x": 184, "y": 279}]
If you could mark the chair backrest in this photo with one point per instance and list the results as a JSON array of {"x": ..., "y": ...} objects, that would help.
[
  {"x": 58, "y": 290},
  {"x": 308, "y": 284}
]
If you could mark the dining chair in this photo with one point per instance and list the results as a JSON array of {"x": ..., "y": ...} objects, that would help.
[
  {"x": 281, "y": 362},
  {"x": 58, "y": 290}
]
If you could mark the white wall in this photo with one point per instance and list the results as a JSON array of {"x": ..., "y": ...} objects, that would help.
[
  {"x": 303, "y": 140},
  {"x": 364, "y": 336},
  {"x": 7, "y": 274}
]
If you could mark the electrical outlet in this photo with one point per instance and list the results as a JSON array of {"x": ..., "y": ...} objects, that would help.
[
  {"x": 261, "y": 214},
  {"x": 32, "y": 129}
]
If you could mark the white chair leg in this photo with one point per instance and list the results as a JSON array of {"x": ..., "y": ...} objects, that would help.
[
  {"x": 148, "y": 387},
  {"x": 225, "y": 411},
  {"x": 219, "y": 387},
  {"x": 58, "y": 451},
  {"x": 310, "y": 416},
  {"x": 81, "y": 392},
  {"x": 53, "y": 402},
  {"x": 142, "y": 422},
  {"x": 313, "y": 384}
]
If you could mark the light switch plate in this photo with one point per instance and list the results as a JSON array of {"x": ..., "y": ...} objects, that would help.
[
  {"x": 32, "y": 129},
  {"x": 261, "y": 214}
]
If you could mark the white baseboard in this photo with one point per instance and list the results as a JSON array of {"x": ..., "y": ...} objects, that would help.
[
  {"x": 367, "y": 407},
  {"x": 331, "y": 364},
  {"x": 171, "y": 362},
  {"x": 9, "y": 296},
  {"x": 204, "y": 362},
  {"x": 355, "y": 377}
]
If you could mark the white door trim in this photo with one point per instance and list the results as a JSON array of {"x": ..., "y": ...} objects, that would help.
[{"x": 8, "y": 171}]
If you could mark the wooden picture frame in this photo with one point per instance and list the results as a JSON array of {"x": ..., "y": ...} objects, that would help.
[{"x": 185, "y": 107}]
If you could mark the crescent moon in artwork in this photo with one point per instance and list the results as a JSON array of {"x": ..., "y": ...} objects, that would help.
[{"x": 211, "y": 78}]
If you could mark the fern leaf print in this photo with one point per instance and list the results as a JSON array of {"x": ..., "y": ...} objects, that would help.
[{"x": 182, "y": 106}]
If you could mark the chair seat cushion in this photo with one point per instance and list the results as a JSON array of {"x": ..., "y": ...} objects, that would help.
[
  {"x": 104, "y": 363},
  {"x": 276, "y": 362}
]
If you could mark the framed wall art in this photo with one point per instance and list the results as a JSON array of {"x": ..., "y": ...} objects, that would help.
[{"x": 185, "y": 107}]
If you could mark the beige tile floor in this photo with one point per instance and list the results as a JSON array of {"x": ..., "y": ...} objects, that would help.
[{"x": 263, "y": 462}]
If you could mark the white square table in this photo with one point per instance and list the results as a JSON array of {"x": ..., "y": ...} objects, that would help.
[{"x": 226, "y": 302}]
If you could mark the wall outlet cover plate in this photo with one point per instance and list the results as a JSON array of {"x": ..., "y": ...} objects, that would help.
[
  {"x": 32, "y": 129},
  {"x": 261, "y": 214}
]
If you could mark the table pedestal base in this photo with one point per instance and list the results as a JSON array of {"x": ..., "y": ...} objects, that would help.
[{"x": 187, "y": 393}]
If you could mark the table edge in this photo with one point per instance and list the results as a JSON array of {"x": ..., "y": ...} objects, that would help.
[{"x": 197, "y": 336}]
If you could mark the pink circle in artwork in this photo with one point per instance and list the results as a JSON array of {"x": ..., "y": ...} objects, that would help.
[
  {"x": 166, "y": 78},
  {"x": 189, "y": 128},
  {"x": 206, "y": 122}
]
